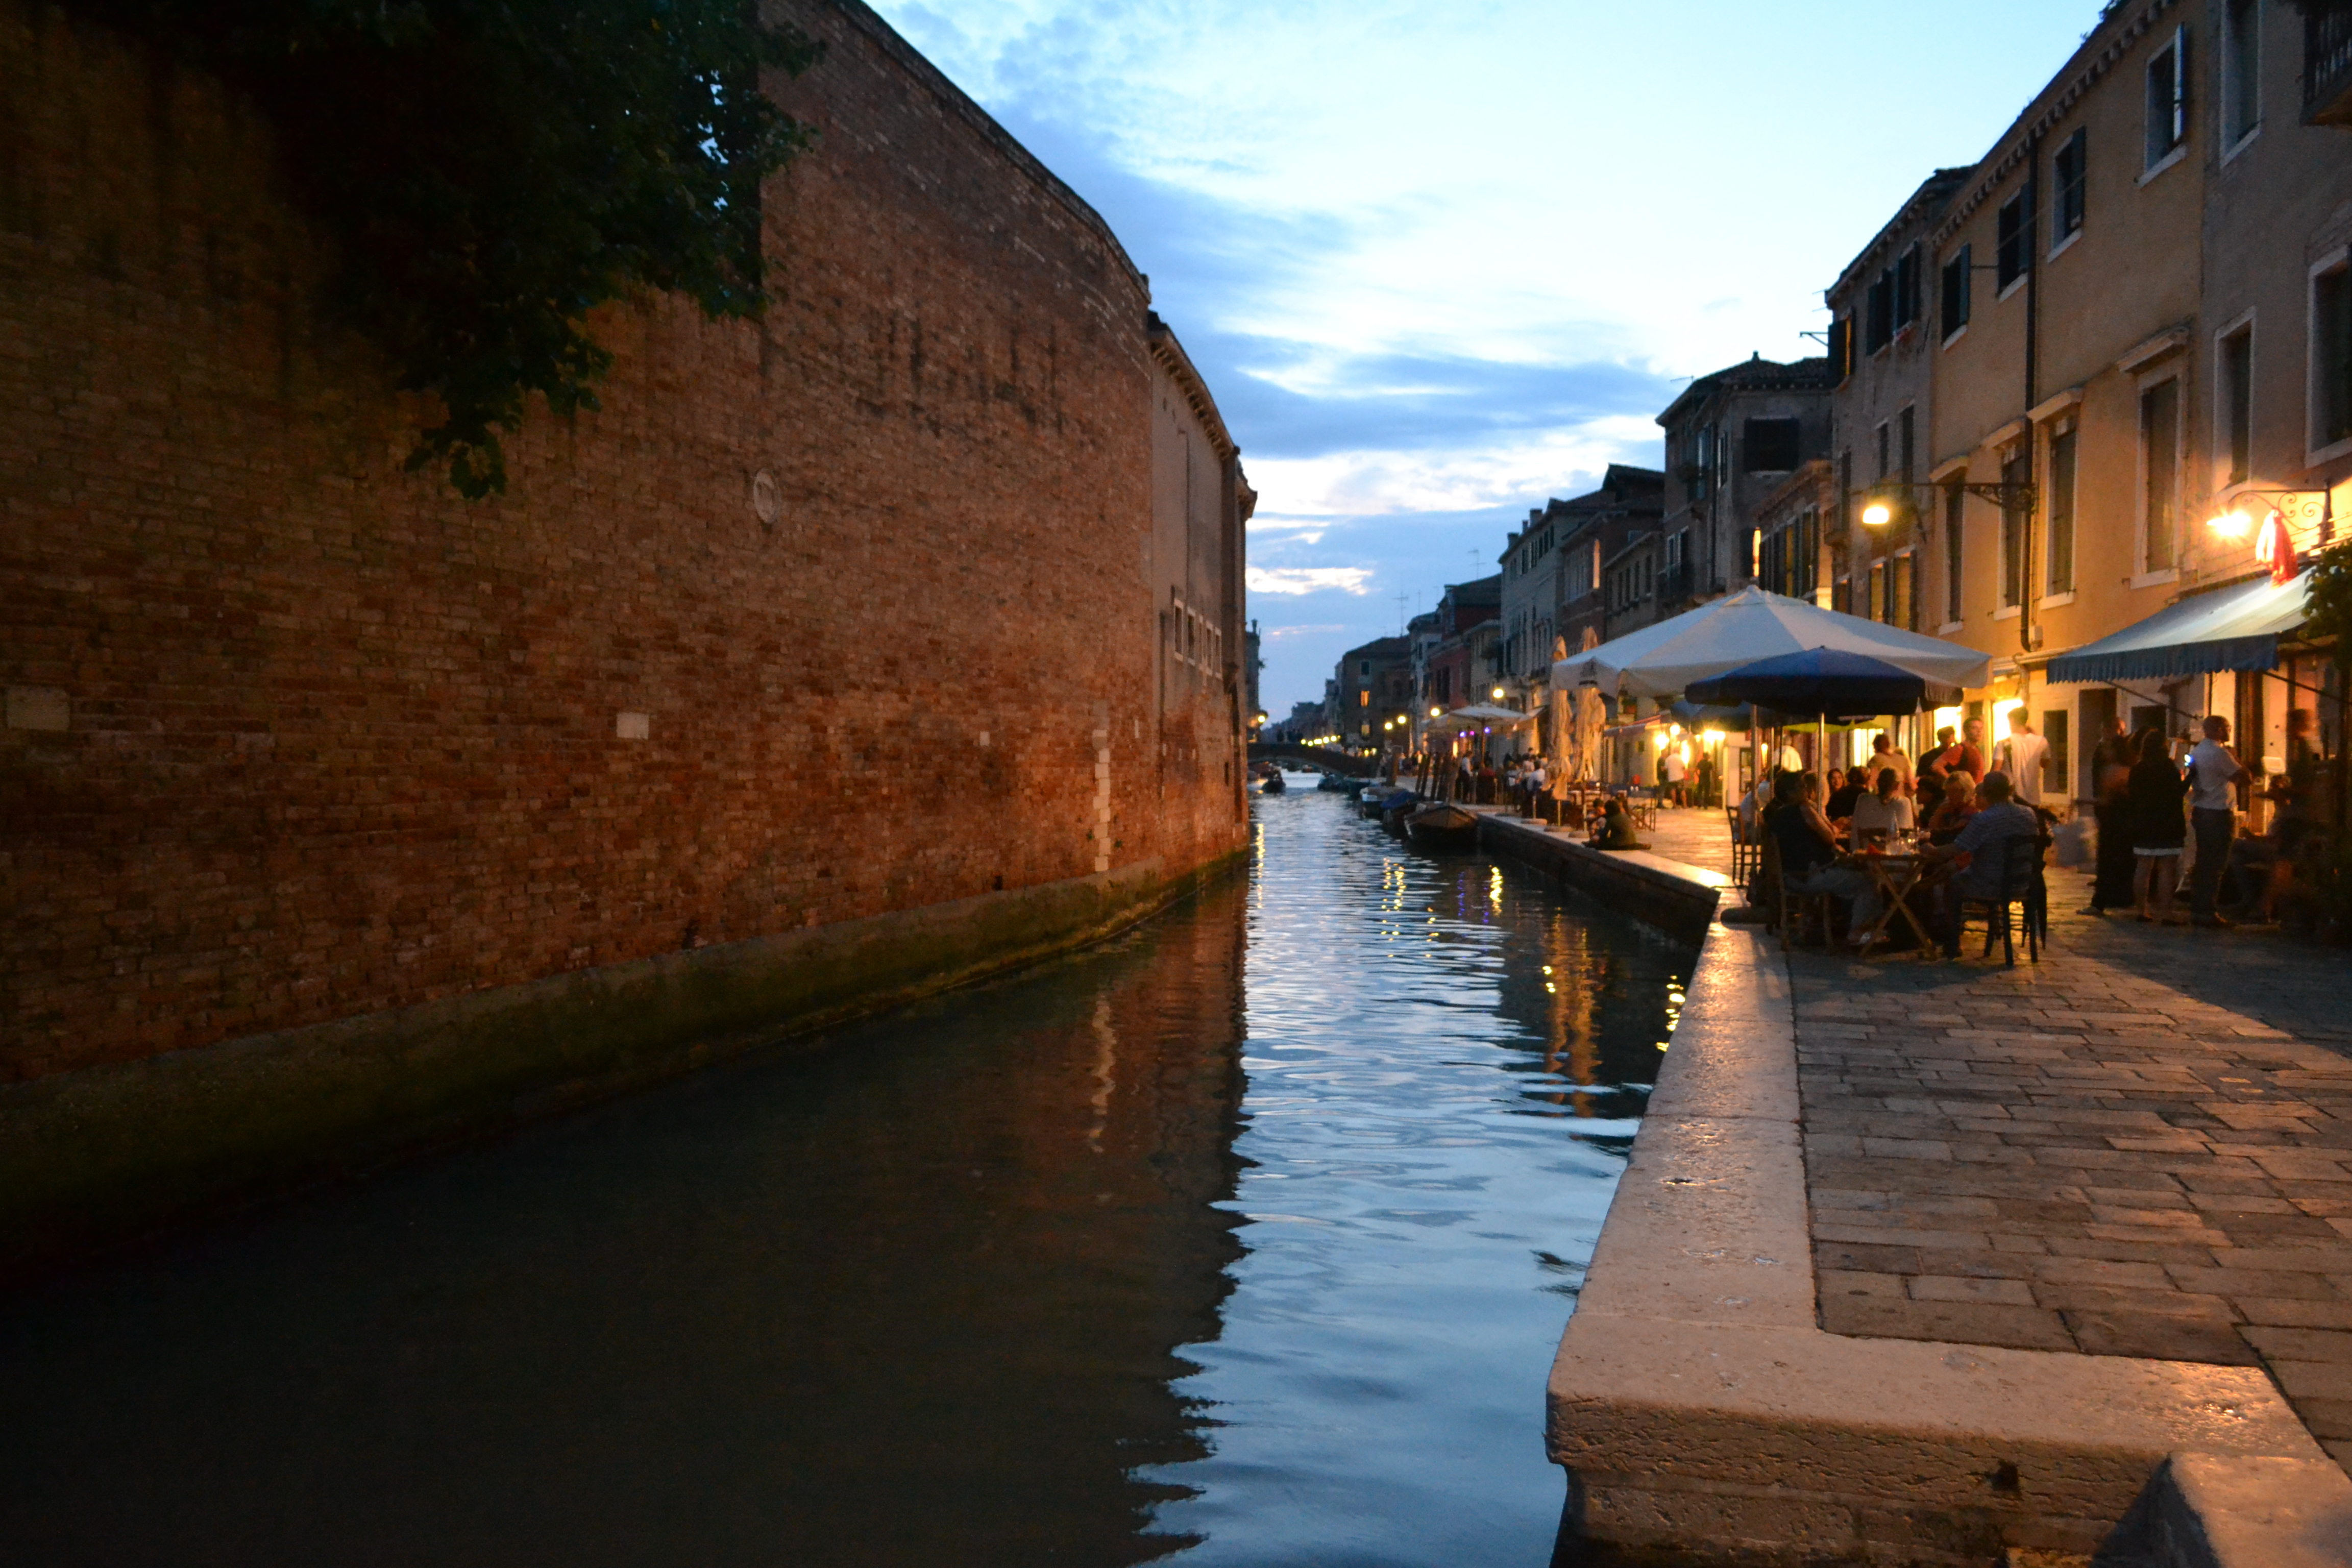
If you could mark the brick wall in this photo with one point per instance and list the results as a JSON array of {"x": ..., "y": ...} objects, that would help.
[{"x": 337, "y": 740}]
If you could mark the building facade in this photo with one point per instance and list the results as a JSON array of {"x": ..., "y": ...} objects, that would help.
[
  {"x": 1732, "y": 439},
  {"x": 1374, "y": 683}
]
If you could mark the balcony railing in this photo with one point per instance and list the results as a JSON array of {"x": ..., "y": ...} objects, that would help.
[
  {"x": 1675, "y": 583},
  {"x": 2327, "y": 66}
]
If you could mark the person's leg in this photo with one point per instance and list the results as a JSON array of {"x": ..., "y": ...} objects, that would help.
[
  {"x": 2212, "y": 856},
  {"x": 2167, "y": 874},
  {"x": 2143, "y": 881}
]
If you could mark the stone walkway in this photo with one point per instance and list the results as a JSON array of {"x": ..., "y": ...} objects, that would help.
[{"x": 2140, "y": 1147}]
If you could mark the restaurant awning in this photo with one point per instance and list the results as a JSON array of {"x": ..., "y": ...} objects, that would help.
[{"x": 2230, "y": 628}]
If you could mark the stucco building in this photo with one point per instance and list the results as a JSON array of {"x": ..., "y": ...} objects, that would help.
[{"x": 1732, "y": 440}]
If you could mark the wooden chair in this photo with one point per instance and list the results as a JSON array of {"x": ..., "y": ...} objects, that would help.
[
  {"x": 2020, "y": 885},
  {"x": 1790, "y": 908},
  {"x": 1746, "y": 855}
]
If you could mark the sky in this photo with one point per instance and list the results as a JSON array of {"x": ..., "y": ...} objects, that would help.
[{"x": 1441, "y": 262}]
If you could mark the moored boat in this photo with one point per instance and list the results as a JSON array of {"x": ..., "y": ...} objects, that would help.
[{"x": 1443, "y": 827}]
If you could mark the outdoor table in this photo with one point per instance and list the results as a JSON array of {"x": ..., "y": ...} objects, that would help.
[{"x": 1897, "y": 874}]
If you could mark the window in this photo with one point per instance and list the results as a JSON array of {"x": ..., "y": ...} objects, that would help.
[
  {"x": 1882, "y": 451},
  {"x": 2241, "y": 69},
  {"x": 2168, "y": 98},
  {"x": 1878, "y": 311},
  {"x": 2159, "y": 447},
  {"x": 1906, "y": 288},
  {"x": 2014, "y": 232},
  {"x": 2331, "y": 355},
  {"x": 1907, "y": 441},
  {"x": 2015, "y": 533},
  {"x": 1808, "y": 565},
  {"x": 1956, "y": 290},
  {"x": 1903, "y": 583},
  {"x": 1840, "y": 347},
  {"x": 1704, "y": 463},
  {"x": 2237, "y": 369},
  {"x": 1954, "y": 508},
  {"x": 1772, "y": 446},
  {"x": 2062, "y": 510},
  {"x": 1878, "y": 591},
  {"x": 2073, "y": 175}
]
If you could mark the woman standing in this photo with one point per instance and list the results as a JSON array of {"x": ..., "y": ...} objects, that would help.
[
  {"x": 2111, "y": 887},
  {"x": 2152, "y": 799}
]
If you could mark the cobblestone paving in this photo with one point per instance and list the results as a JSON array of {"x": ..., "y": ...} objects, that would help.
[{"x": 2142, "y": 1146}]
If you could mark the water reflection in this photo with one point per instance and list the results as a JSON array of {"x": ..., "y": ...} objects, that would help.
[
  {"x": 1021, "y": 1275},
  {"x": 1445, "y": 1059}
]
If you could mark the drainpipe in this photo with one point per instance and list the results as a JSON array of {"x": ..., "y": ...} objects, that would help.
[
  {"x": 2033, "y": 383},
  {"x": 2032, "y": 396}
]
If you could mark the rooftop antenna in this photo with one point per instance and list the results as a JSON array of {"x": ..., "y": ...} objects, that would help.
[{"x": 1399, "y": 612}]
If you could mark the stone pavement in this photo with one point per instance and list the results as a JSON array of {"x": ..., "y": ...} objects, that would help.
[
  {"x": 2140, "y": 1147},
  {"x": 1697, "y": 836}
]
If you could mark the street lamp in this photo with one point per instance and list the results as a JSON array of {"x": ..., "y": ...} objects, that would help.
[{"x": 1499, "y": 694}]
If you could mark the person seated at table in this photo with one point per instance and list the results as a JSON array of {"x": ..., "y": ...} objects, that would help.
[
  {"x": 1752, "y": 806},
  {"x": 1883, "y": 812},
  {"x": 1616, "y": 831},
  {"x": 1808, "y": 852},
  {"x": 1979, "y": 854},
  {"x": 1846, "y": 791},
  {"x": 1952, "y": 813}
]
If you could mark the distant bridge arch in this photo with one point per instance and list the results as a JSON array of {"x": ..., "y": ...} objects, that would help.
[{"x": 1322, "y": 759}]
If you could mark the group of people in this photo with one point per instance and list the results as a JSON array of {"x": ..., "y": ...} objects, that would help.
[
  {"x": 2144, "y": 835},
  {"x": 1962, "y": 804}
]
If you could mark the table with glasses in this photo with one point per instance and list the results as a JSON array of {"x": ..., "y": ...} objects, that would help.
[{"x": 1897, "y": 867}]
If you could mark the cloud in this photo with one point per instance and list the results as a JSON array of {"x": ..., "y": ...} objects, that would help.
[
  {"x": 1285, "y": 581},
  {"x": 1276, "y": 633}
]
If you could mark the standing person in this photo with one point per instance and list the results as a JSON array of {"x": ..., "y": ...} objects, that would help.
[
  {"x": 2213, "y": 772},
  {"x": 2153, "y": 800},
  {"x": 1707, "y": 796},
  {"x": 1883, "y": 756},
  {"x": 1944, "y": 755},
  {"x": 1790, "y": 760},
  {"x": 2114, "y": 748},
  {"x": 1672, "y": 772},
  {"x": 2298, "y": 795},
  {"x": 1973, "y": 751},
  {"x": 2022, "y": 757},
  {"x": 2111, "y": 887}
]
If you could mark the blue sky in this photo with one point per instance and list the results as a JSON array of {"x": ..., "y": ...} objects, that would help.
[{"x": 1439, "y": 262}]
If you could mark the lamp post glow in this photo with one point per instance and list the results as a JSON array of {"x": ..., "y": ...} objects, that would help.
[
  {"x": 1877, "y": 514},
  {"x": 2232, "y": 524}
]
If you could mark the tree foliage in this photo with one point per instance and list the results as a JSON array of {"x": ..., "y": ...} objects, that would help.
[
  {"x": 491, "y": 171},
  {"x": 2330, "y": 600}
]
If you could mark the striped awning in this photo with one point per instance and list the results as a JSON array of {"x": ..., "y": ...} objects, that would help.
[{"x": 2232, "y": 628}]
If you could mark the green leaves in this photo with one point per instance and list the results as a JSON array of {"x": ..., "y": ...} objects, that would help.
[
  {"x": 492, "y": 170},
  {"x": 2331, "y": 600}
]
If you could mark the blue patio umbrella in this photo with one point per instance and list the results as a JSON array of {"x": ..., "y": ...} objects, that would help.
[{"x": 1826, "y": 683}]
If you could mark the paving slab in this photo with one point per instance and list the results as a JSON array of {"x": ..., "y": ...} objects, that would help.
[
  {"x": 2174, "y": 1172},
  {"x": 1701, "y": 1406}
]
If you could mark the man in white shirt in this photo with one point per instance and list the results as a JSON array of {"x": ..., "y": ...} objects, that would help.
[
  {"x": 2213, "y": 769},
  {"x": 1885, "y": 811},
  {"x": 2022, "y": 757}
]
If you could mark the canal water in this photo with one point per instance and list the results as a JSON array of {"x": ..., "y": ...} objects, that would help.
[{"x": 1244, "y": 1239}]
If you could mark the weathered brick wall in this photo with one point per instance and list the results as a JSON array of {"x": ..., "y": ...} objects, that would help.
[{"x": 338, "y": 741}]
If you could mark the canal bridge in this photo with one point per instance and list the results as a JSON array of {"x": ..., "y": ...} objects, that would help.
[{"x": 1322, "y": 759}]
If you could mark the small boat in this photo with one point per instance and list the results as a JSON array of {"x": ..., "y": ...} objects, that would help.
[
  {"x": 1333, "y": 783},
  {"x": 1274, "y": 783},
  {"x": 1443, "y": 827}
]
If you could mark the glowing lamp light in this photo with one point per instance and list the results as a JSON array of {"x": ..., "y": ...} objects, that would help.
[
  {"x": 1499, "y": 694},
  {"x": 2231, "y": 524},
  {"x": 1877, "y": 514},
  {"x": 1436, "y": 712}
]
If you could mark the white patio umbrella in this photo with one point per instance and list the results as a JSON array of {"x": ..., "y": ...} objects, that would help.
[
  {"x": 1661, "y": 660},
  {"x": 1558, "y": 752}
]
